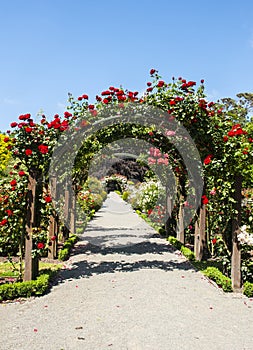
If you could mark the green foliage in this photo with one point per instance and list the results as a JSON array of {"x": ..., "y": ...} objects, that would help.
[
  {"x": 248, "y": 289},
  {"x": 67, "y": 246},
  {"x": 5, "y": 153},
  {"x": 176, "y": 243},
  {"x": 26, "y": 289},
  {"x": 222, "y": 281},
  {"x": 184, "y": 250},
  {"x": 187, "y": 253},
  {"x": 125, "y": 195}
]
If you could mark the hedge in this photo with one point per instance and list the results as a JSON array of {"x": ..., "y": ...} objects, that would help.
[{"x": 10, "y": 291}]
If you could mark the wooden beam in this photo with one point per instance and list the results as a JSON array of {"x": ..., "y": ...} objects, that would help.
[
  {"x": 236, "y": 223},
  {"x": 52, "y": 229},
  {"x": 180, "y": 225},
  {"x": 200, "y": 234},
  {"x": 31, "y": 263}
]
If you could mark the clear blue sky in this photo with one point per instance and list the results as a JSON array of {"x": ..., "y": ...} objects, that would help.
[{"x": 52, "y": 47}]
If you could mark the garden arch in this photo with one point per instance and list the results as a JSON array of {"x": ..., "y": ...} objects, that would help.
[{"x": 212, "y": 131}]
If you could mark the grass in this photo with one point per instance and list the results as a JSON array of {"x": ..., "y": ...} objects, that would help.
[{"x": 8, "y": 269}]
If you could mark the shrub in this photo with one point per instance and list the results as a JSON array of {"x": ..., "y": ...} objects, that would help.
[
  {"x": 10, "y": 291},
  {"x": 175, "y": 242},
  {"x": 221, "y": 280},
  {"x": 67, "y": 246},
  {"x": 184, "y": 250},
  {"x": 187, "y": 253},
  {"x": 248, "y": 289},
  {"x": 125, "y": 195}
]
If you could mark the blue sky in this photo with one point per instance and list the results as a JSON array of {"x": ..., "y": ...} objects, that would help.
[{"x": 52, "y": 47}]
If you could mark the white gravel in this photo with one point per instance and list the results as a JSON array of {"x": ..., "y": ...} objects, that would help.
[{"x": 124, "y": 289}]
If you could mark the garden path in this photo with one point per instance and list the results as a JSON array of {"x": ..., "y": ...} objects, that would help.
[{"x": 125, "y": 288}]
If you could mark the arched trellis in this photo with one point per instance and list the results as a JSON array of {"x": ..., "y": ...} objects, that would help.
[{"x": 189, "y": 107}]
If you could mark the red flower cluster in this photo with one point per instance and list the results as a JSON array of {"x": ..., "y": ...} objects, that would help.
[
  {"x": 9, "y": 212},
  {"x": 21, "y": 173},
  {"x": 40, "y": 245},
  {"x": 24, "y": 116},
  {"x": 83, "y": 97},
  {"x": 28, "y": 152},
  {"x": 48, "y": 199},
  {"x": 3, "y": 222},
  {"x": 160, "y": 83},
  {"x": 186, "y": 85},
  {"x": 43, "y": 149},
  {"x": 208, "y": 159},
  {"x": 204, "y": 199},
  {"x": 237, "y": 130},
  {"x": 13, "y": 182},
  {"x": 28, "y": 129},
  {"x": 214, "y": 241}
]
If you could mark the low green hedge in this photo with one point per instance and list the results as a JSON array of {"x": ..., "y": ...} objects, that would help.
[
  {"x": 67, "y": 246},
  {"x": 10, "y": 291},
  {"x": 248, "y": 289},
  {"x": 184, "y": 250},
  {"x": 217, "y": 276}
]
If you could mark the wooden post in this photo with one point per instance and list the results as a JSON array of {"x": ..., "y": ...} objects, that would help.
[
  {"x": 31, "y": 263},
  {"x": 200, "y": 234},
  {"x": 52, "y": 230},
  {"x": 236, "y": 223},
  {"x": 65, "y": 229},
  {"x": 180, "y": 226},
  {"x": 72, "y": 217}
]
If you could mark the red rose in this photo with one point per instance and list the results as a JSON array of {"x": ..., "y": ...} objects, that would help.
[
  {"x": 214, "y": 240},
  {"x": 28, "y": 152},
  {"x": 225, "y": 138},
  {"x": 105, "y": 93},
  {"x": 53, "y": 238},
  {"x": 9, "y": 212},
  {"x": 202, "y": 81},
  {"x": 105, "y": 100},
  {"x": 28, "y": 129},
  {"x": 160, "y": 83},
  {"x": 152, "y": 71},
  {"x": 13, "y": 182},
  {"x": 21, "y": 173},
  {"x": 3, "y": 222},
  {"x": 14, "y": 124},
  {"x": 40, "y": 245},
  {"x": 204, "y": 199},
  {"x": 80, "y": 98},
  {"x": 85, "y": 97},
  {"x": 6, "y": 139},
  {"x": 208, "y": 159},
  {"x": 172, "y": 102},
  {"x": 149, "y": 84},
  {"x": 48, "y": 199},
  {"x": 43, "y": 149}
]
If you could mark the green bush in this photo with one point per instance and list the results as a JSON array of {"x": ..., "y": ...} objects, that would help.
[
  {"x": 248, "y": 289},
  {"x": 67, "y": 246},
  {"x": 176, "y": 243},
  {"x": 221, "y": 280},
  {"x": 184, "y": 250},
  {"x": 10, "y": 291},
  {"x": 187, "y": 253},
  {"x": 125, "y": 195}
]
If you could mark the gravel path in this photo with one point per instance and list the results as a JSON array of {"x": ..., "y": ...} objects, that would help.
[{"x": 123, "y": 288}]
